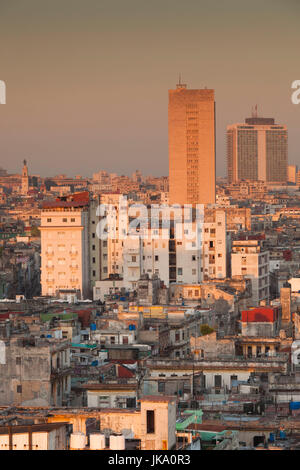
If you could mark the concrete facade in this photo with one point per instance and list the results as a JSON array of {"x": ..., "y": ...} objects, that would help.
[{"x": 191, "y": 146}]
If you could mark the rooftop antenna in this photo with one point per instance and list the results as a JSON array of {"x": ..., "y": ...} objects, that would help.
[
  {"x": 254, "y": 111},
  {"x": 180, "y": 85}
]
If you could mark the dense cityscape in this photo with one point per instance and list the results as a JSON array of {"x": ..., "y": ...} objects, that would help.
[
  {"x": 127, "y": 323},
  {"x": 149, "y": 230}
]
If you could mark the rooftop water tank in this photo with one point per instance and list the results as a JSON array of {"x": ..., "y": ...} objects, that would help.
[
  {"x": 77, "y": 441},
  {"x": 97, "y": 441},
  {"x": 117, "y": 442}
]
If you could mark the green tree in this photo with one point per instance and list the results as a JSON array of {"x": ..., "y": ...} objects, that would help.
[
  {"x": 35, "y": 232},
  {"x": 206, "y": 330}
]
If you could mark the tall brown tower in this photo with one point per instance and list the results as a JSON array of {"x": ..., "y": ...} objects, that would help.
[
  {"x": 285, "y": 300},
  {"x": 192, "y": 155}
]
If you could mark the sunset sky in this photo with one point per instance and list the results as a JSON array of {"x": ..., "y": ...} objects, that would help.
[{"x": 87, "y": 81}]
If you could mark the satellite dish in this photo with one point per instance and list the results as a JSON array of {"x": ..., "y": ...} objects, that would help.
[{"x": 128, "y": 433}]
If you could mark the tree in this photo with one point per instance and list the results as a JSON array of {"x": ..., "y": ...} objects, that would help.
[
  {"x": 35, "y": 232},
  {"x": 206, "y": 330}
]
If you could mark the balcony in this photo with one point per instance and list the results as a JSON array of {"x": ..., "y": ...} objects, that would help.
[{"x": 56, "y": 372}]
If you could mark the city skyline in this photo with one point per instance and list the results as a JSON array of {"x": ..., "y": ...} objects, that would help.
[{"x": 88, "y": 95}]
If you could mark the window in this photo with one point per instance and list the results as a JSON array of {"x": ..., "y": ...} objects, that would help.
[
  {"x": 65, "y": 219},
  {"x": 19, "y": 388},
  {"x": 156, "y": 258},
  {"x": 218, "y": 381},
  {"x": 18, "y": 361},
  {"x": 179, "y": 271},
  {"x": 150, "y": 422},
  {"x": 130, "y": 403},
  {"x": 161, "y": 387},
  {"x": 49, "y": 220},
  {"x": 72, "y": 220}
]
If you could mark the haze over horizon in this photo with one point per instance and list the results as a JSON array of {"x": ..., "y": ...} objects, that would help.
[{"x": 87, "y": 82}]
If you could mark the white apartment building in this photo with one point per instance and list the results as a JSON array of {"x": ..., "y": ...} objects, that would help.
[
  {"x": 112, "y": 248},
  {"x": 248, "y": 260},
  {"x": 94, "y": 243},
  {"x": 75, "y": 255},
  {"x": 146, "y": 255},
  {"x": 195, "y": 252},
  {"x": 214, "y": 236},
  {"x": 65, "y": 246}
]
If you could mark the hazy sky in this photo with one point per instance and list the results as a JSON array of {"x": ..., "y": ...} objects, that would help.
[{"x": 87, "y": 81}]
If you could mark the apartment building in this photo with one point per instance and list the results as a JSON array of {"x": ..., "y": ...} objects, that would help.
[
  {"x": 65, "y": 250},
  {"x": 215, "y": 243},
  {"x": 250, "y": 260},
  {"x": 36, "y": 371},
  {"x": 111, "y": 218},
  {"x": 183, "y": 253},
  {"x": 192, "y": 160},
  {"x": 257, "y": 150}
]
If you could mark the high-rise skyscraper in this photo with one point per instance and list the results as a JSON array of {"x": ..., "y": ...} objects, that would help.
[
  {"x": 257, "y": 150},
  {"x": 192, "y": 162}
]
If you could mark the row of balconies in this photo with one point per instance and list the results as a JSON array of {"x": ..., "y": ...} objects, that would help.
[
  {"x": 51, "y": 268},
  {"x": 51, "y": 251}
]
